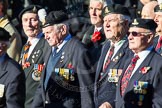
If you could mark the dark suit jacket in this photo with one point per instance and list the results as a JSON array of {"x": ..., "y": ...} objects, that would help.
[
  {"x": 36, "y": 57},
  {"x": 153, "y": 95},
  {"x": 94, "y": 48},
  {"x": 12, "y": 84},
  {"x": 105, "y": 90},
  {"x": 61, "y": 93}
]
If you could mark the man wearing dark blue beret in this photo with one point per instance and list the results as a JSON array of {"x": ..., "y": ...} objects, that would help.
[
  {"x": 12, "y": 77},
  {"x": 33, "y": 51},
  {"x": 66, "y": 81},
  {"x": 116, "y": 23},
  {"x": 141, "y": 81}
]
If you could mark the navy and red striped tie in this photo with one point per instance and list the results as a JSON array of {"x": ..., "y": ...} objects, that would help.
[{"x": 127, "y": 74}]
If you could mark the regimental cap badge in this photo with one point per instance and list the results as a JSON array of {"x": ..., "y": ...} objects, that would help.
[
  {"x": 135, "y": 22},
  {"x": 34, "y": 9},
  {"x": 107, "y": 10}
]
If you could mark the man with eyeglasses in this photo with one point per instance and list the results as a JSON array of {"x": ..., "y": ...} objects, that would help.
[
  {"x": 141, "y": 81},
  {"x": 116, "y": 23}
]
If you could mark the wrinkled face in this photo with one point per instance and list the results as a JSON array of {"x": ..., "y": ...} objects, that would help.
[
  {"x": 30, "y": 24},
  {"x": 95, "y": 10},
  {"x": 158, "y": 20},
  {"x": 139, "y": 39},
  {"x": 113, "y": 26},
  {"x": 3, "y": 47},
  {"x": 53, "y": 35}
]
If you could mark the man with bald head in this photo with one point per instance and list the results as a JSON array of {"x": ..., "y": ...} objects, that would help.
[{"x": 148, "y": 10}]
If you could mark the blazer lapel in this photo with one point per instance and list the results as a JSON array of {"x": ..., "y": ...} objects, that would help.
[
  {"x": 44, "y": 71},
  {"x": 66, "y": 54},
  {"x": 101, "y": 60},
  {"x": 37, "y": 51},
  {"x": 34, "y": 56},
  {"x": 120, "y": 53},
  {"x": 137, "y": 75}
]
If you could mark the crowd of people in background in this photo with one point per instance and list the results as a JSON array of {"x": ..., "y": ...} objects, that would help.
[{"x": 80, "y": 53}]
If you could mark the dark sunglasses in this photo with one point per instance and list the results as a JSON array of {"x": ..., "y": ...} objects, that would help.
[{"x": 134, "y": 33}]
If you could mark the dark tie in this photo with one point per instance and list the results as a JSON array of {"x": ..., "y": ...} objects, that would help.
[
  {"x": 108, "y": 59},
  {"x": 159, "y": 45},
  {"x": 127, "y": 74},
  {"x": 109, "y": 55},
  {"x": 26, "y": 50}
]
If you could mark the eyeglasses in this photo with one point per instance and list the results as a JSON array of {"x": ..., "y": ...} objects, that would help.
[{"x": 134, "y": 33}]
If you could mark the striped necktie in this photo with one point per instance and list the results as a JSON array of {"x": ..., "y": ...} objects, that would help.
[
  {"x": 109, "y": 56},
  {"x": 26, "y": 50},
  {"x": 108, "y": 59},
  {"x": 127, "y": 74},
  {"x": 159, "y": 44}
]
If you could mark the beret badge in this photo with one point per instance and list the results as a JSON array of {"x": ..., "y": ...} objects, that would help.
[
  {"x": 135, "y": 22},
  {"x": 34, "y": 9},
  {"x": 107, "y": 10}
]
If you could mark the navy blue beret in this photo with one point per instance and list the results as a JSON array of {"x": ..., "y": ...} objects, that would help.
[
  {"x": 55, "y": 17},
  {"x": 30, "y": 9},
  {"x": 116, "y": 9},
  {"x": 144, "y": 23}
]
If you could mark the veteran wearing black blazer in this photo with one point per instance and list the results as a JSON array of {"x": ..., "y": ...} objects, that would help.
[
  {"x": 31, "y": 58},
  {"x": 66, "y": 81},
  {"x": 108, "y": 68},
  {"x": 143, "y": 88},
  {"x": 12, "y": 77},
  {"x": 94, "y": 36}
]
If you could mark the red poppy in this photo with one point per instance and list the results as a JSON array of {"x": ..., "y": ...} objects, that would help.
[
  {"x": 96, "y": 36},
  {"x": 26, "y": 65},
  {"x": 145, "y": 69}
]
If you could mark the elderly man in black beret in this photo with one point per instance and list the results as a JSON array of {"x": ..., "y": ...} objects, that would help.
[
  {"x": 141, "y": 81},
  {"x": 33, "y": 51},
  {"x": 116, "y": 22},
  {"x": 66, "y": 81},
  {"x": 12, "y": 77}
]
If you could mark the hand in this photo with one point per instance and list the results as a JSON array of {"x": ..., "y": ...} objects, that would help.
[{"x": 105, "y": 105}]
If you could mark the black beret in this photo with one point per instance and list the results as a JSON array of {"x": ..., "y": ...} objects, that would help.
[
  {"x": 116, "y": 9},
  {"x": 55, "y": 17},
  {"x": 4, "y": 35},
  {"x": 144, "y": 23},
  {"x": 158, "y": 8},
  {"x": 30, "y": 9}
]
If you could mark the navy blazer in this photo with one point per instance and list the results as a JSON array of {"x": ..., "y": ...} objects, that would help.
[
  {"x": 105, "y": 90},
  {"x": 12, "y": 84},
  {"x": 61, "y": 93},
  {"x": 152, "y": 98},
  {"x": 35, "y": 58},
  {"x": 94, "y": 48}
]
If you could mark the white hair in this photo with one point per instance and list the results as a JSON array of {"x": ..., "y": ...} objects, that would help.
[{"x": 103, "y": 2}]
